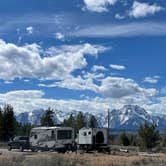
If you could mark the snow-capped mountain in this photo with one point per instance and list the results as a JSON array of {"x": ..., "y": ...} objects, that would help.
[
  {"x": 127, "y": 118},
  {"x": 35, "y": 116}
]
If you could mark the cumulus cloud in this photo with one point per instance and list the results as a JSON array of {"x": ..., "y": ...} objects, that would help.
[
  {"x": 144, "y": 9},
  {"x": 27, "y": 61},
  {"x": 152, "y": 80},
  {"x": 96, "y": 68},
  {"x": 59, "y": 36},
  {"x": 25, "y": 94},
  {"x": 117, "y": 87},
  {"x": 109, "y": 87},
  {"x": 29, "y": 100},
  {"x": 99, "y": 5},
  {"x": 74, "y": 83},
  {"x": 30, "y": 30},
  {"x": 117, "y": 67}
]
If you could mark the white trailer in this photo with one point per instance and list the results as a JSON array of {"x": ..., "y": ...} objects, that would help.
[
  {"x": 93, "y": 139},
  {"x": 52, "y": 138}
]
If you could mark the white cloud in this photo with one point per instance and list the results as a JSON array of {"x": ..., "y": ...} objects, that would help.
[
  {"x": 144, "y": 9},
  {"x": 96, "y": 76},
  {"x": 26, "y": 80},
  {"x": 118, "y": 87},
  {"x": 152, "y": 80},
  {"x": 158, "y": 107},
  {"x": 29, "y": 100},
  {"x": 86, "y": 82},
  {"x": 25, "y": 94},
  {"x": 119, "y": 17},
  {"x": 74, "y": 83},
  {"x": 122, "y": 30},
  {"x": 8, "y": 82},
  {"x": 163, "y": 90},
  {"x": 59, "y": 36},
  {"x": 96, "y": 68},
  {"x": 27, "y": 61},
  {"x": 98, "y": 5},
  {"x": 117, "y": 67},
  {"x": 30, "y": 30},
  {"x": 110, "y": 87},
  {"x": 26, "y": 101}
]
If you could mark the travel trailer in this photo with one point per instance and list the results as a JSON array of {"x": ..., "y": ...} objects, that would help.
[
  {"x": 59, "y": 139},
  {"x": 93, "y": 139}
]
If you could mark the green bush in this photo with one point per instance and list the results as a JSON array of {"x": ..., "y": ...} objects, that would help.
[{"x": 149, "y": 136}]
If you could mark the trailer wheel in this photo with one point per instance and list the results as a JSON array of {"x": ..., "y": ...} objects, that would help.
[
  {"x": 33, "y": 149},
  {"x": 9, "y": 148},
  {"x": 21, "y": 148},
  {"x": 61, "y": 150},
  {"x": 69, "y": 147}
]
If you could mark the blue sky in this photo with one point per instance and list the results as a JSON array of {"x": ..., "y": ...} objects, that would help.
[{"x": 83, "y": 55}]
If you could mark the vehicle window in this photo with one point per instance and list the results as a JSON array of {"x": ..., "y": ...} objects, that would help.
[
  {"x": 16, "y": 139},
  {"x": 64, "y": 134},
  {"x": 23, "y": 138},
  {"x": 35, "y": 136}
]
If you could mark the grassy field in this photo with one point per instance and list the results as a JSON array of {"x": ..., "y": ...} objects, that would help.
[{"x": 54, "y": 159}]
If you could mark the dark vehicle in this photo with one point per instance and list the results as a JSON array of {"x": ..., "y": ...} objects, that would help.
[{"x": 19, "y": 142}]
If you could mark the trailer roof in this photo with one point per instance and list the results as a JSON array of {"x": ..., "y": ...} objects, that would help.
[
  {"x": 87, "y": 128},
  {"x": 54, "y": 127}
]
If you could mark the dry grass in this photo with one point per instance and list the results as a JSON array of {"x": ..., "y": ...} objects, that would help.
[
  {"x": 53, "y": 159},
  {"x": 11, "y": 160}
]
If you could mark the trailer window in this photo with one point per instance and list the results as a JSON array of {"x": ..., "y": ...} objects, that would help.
[
  {"x": 84, "y": 133},
  {"x": 64, "y": 134},
  {"x": 53, "y": 134},
  {"x": 89, "y": 132}
]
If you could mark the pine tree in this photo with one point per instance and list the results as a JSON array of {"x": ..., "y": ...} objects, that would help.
[
  {"x": 149, "y": 136},
  {"x": 132, "y": 139},
  {"x": 80, "y": 121},
  {"x": 124, "y": 140},
  {"x": 10, "y": 122},
  {"x": 24, "y": 129},
  {"x": 164, "y": 140},
  {"x": 1, "y": 125},
  {"x": 70, "y": 122},
  {"x": 47, "y": 118},
  {"x": 93, "y": 122}
]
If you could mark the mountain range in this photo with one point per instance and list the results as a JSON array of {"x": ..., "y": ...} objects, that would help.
[{"x": 130, "y": 117}]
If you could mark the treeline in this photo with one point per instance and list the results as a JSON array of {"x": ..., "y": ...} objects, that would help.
[
  {"x": 147, "y": 138},
  {"x": 75, "y": 121}
]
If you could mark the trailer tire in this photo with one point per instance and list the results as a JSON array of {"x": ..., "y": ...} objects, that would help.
[
  {"x": 21, "y": 148},
  {"x": 69, "y": 147},
  {"x": 9, "y": 148},
  {"x": 33, "y": 149},
  {"x": 63, "y": 150}
]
